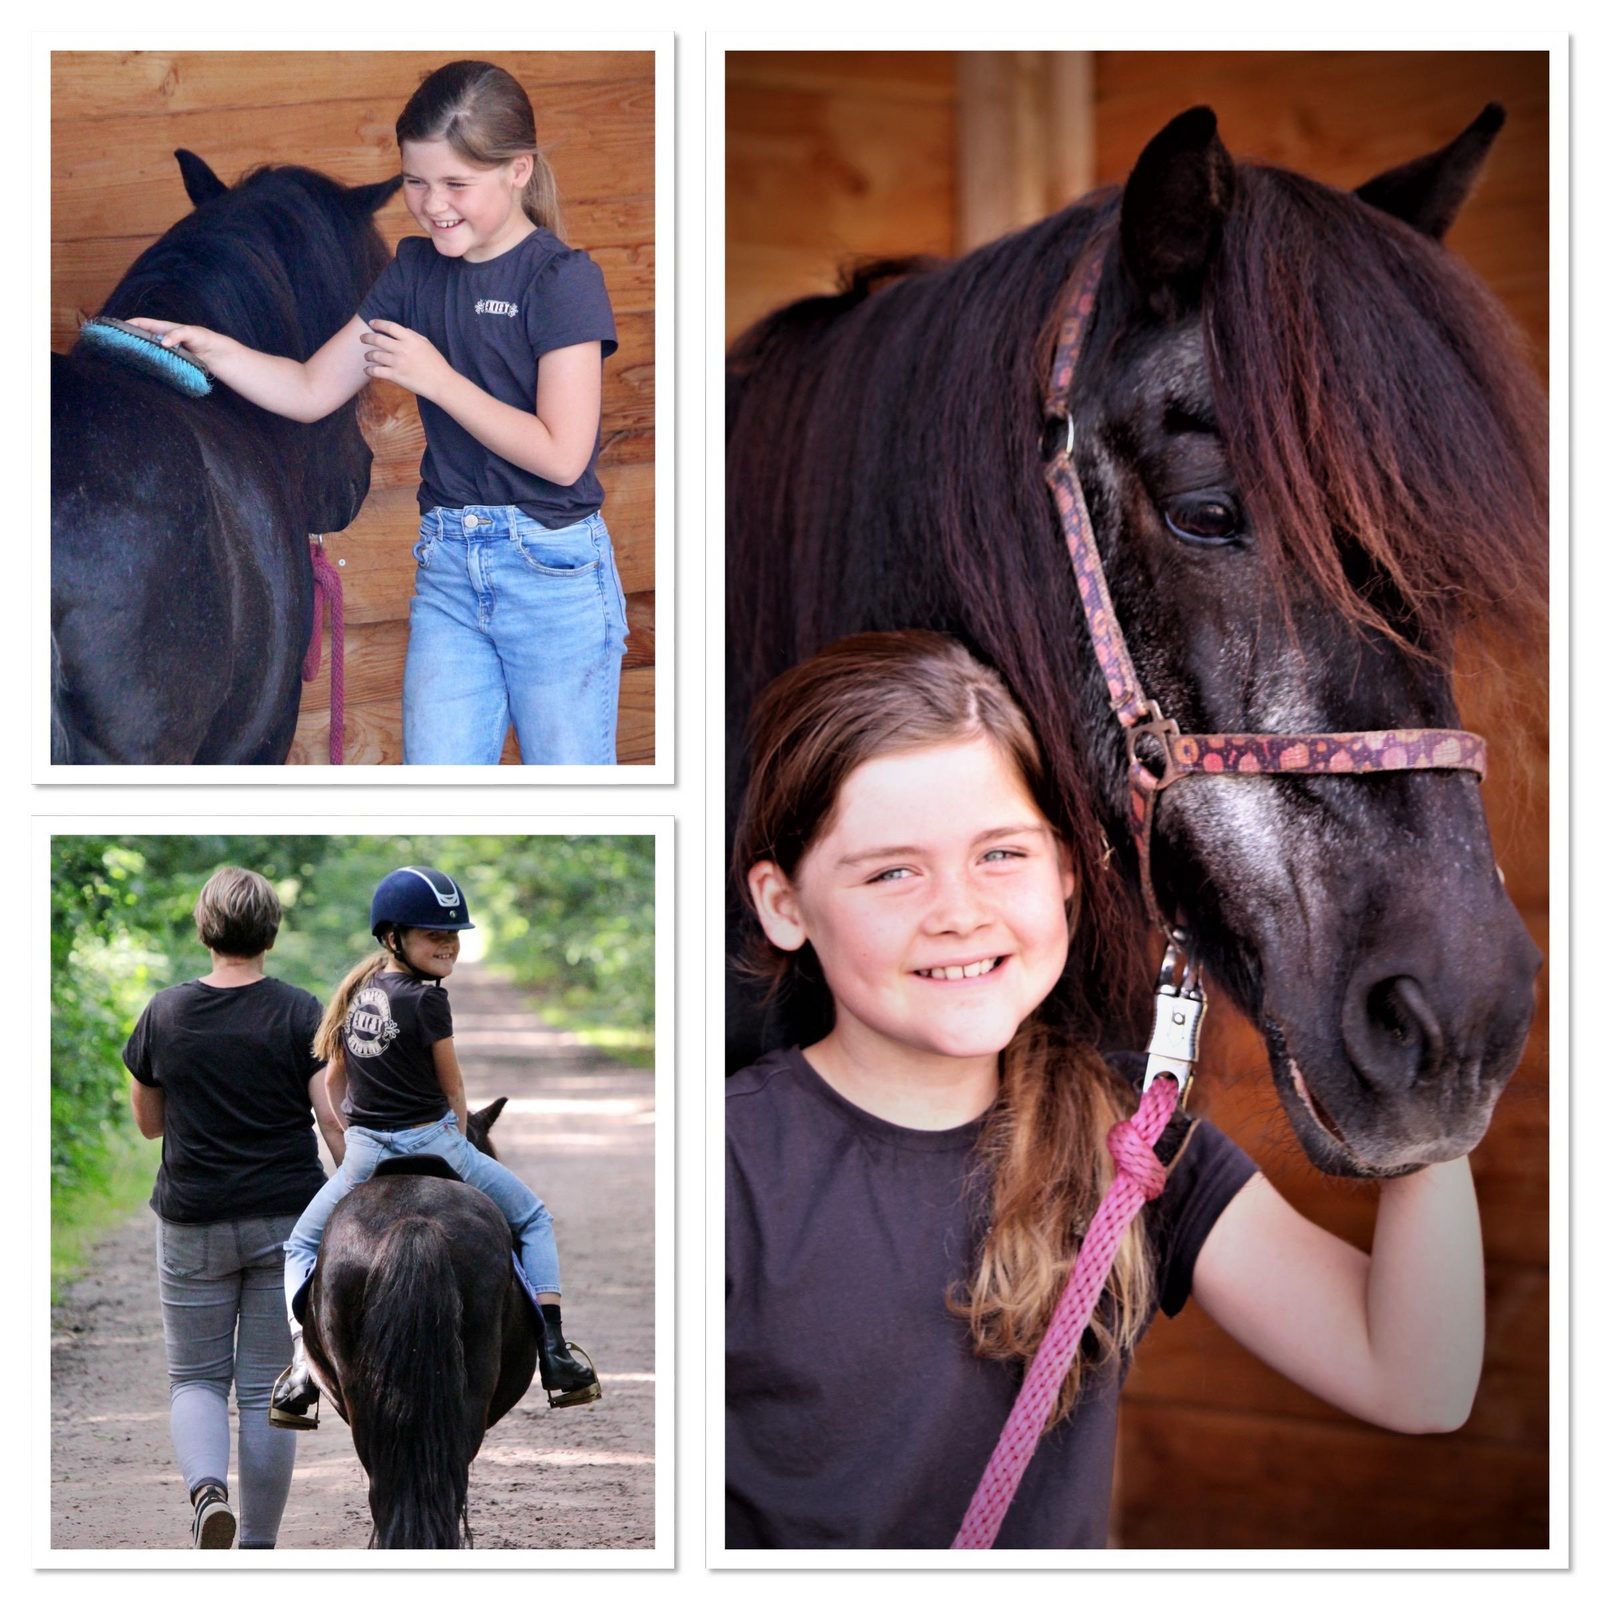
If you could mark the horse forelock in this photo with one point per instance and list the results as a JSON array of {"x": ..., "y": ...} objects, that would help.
[{"x": 1379, "y": 409}]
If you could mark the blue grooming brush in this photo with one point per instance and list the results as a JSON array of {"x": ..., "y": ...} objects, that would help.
[{"x": 144, "y": 352}]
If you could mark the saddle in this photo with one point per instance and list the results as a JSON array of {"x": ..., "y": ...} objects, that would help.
[{"x": 415, "y": 1167}]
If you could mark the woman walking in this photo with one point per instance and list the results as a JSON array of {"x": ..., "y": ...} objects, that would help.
[{"x": 223, "y": 1074}]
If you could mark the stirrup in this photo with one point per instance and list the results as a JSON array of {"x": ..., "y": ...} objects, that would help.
[
  {"x": 278, "y": 1417},
  {"x": 295, "y": 1419},
  {"x": 589, "y": 1393}
]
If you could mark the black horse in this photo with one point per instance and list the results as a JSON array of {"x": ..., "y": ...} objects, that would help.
[
  {"x": 1314, "y": 456},
  {"x": 422, "y": 1338},
  {"x": 181, "y": 590}
]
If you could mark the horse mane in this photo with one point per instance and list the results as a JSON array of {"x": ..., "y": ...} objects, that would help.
[
  {"x": 1408, "y": 486},
  {"x": 278, "y": 261},
  {"x": 908, "y": 409}
]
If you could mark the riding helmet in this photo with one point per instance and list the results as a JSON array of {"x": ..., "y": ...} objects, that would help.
[{"x": 419, "y": 897}]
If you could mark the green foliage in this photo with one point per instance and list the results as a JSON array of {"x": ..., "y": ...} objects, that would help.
[{"x": 572, "y": 917}]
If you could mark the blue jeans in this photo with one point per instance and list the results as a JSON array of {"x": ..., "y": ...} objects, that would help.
[
  {"x": 513, "y": 623},
  {"x": 224, "y": 1328},
  {"x": 364, "y": 1148}
]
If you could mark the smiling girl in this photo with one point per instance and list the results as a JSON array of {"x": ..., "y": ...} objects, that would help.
[
  {"x": 499, "y": 329},
  {"x": 907, "y": 1191}
]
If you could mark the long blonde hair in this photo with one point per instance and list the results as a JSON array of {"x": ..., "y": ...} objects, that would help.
[
  {"x": 484, "y": 115},
  {"x": 1042, "y": 1159},
  {"x": 330, "y": 1031}
]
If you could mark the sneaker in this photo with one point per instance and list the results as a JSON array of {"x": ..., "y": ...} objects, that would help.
[{"x": 214, "y": 1523}]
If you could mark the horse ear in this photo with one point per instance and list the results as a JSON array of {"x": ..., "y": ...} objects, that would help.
[
  {"x": 199, "y": 181},
  {"x": 1173, "y": 208},
  {"x": 1430, "y": 191},
  {"x": 365, "y": 198},
  {"x": 490, "y": 1114}
]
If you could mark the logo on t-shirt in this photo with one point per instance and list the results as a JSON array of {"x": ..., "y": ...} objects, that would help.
[
  {"x": 368, "y": 1025},
  {"x": 496, "y": 308}
]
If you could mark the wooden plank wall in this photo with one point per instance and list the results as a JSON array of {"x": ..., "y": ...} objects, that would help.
[
  {"x": 116, "y": 118},
  {"x": 833, "y": 157}
]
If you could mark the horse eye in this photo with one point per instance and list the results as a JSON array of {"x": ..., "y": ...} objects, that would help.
[{"x": 1203, "y": 518}]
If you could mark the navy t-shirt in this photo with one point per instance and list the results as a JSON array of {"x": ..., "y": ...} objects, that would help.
[
  {"x": 492, "y": 320},
  {"x": 237, "y": 1138},
  {"x": 390, "y": 1030},
  {"x": 858, "y": 1416}
]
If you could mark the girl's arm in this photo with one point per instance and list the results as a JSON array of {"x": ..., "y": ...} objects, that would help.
[
  {"x": 149, "y": 1108},
  {"x": 304, "y": 391},
  {"x": 1395, "y": 1338},
  {"x": 450, "y": 1084},
  {"x": 555, "y": 441},
  {"x": 326, "y": 1107}
]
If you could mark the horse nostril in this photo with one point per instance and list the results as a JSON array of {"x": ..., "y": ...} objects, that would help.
[{"x": 1402, "y": 1038}]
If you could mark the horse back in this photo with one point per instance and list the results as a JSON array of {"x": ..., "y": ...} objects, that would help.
[{"x": 497, "y": 1331}]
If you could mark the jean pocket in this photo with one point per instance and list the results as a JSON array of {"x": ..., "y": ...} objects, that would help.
[
  {"x": 182, "y": 1251},
  {"x": 558, "y": 552},
  {"x": 427, "y": 543}
]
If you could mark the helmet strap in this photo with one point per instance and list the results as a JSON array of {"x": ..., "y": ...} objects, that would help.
[{"x": 398, "y": 951}]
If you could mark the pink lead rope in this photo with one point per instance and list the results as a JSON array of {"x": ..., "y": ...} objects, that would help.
[
  {"x": 1140, "y": 1177},
  {"x": 328, "y": 590}
]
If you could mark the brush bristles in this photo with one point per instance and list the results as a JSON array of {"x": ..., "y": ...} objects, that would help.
[{"x": 135, "y": 348}]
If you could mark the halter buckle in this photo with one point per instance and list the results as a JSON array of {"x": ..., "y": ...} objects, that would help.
[{"x": 1163, "y": 730}]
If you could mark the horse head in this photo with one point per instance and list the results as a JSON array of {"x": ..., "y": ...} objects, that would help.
[
  {"x": 280, "y": 260},
  {"x": 1313, "y": 455},
  {"x": 1312, "y": 458},
  {"x": 480, "y": 1122}
]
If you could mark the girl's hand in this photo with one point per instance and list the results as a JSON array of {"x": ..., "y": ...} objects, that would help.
[
  {"x": 201, "y": 343},
  {"x": 406, "y": 358}
]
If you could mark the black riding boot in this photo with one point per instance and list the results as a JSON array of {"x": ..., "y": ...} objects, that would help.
[
  {"x": 295, "y": 1394},
  {"x": 567, "y": 1380}
]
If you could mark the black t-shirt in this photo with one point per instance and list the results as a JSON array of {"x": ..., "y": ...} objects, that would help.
[
  {"x": 390, "y": 1030},
  {"x": 492, "y": 321},
  {"x": 857, "y": 1415},
  {"x": 237, "y": 1137}
]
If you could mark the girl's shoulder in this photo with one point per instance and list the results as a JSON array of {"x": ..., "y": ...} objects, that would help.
[
  {"x": 776, "y": 1067},
  {"x": 558, "y": 264}
]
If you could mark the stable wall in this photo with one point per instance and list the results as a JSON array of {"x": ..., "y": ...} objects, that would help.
[{"x": 117, "y": 117}]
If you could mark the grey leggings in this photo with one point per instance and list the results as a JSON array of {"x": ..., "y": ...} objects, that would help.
[{"x": 222, "y": 1308}]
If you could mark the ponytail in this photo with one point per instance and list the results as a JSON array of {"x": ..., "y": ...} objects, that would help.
[
  {"x": 331, "y": 1028},
  {"x": 540, "y": 200},
  {"x": 1045, "y": 1168}
]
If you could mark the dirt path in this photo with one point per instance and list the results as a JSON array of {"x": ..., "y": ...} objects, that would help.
[{"x": 581, "y": 1130}]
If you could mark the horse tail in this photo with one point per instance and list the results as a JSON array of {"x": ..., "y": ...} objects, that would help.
[{"x": 407, "y": 1394}]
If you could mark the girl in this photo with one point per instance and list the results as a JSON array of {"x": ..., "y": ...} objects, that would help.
[
  {"x": 907, "y": 1193},
  {"x": 223, "y": 1075},
  {"x": 499, "y": 330},
  {"x": 391, "y": 1055}
]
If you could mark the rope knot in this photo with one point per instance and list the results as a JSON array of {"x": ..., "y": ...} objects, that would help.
[{"x": 1136, "y": 1158}]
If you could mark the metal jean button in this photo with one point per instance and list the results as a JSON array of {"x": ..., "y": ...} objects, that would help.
[{"x": 469, "y": 521}]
